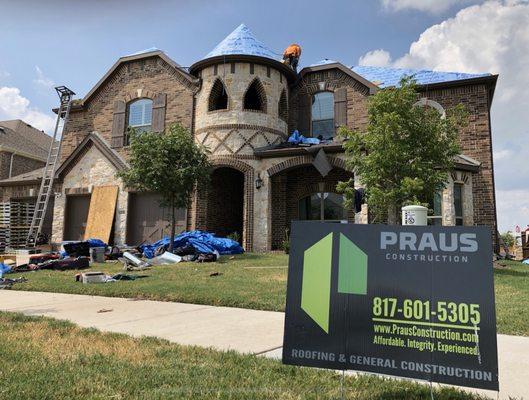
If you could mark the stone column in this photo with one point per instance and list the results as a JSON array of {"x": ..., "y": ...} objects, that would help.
[
  {"x": 57, "y": 230},
  {"x": 447, "y": 204},
  {"x": 262, "y": 214},
  {"x": 120, "y": 219},
  {"x": 362, "y": 216}
]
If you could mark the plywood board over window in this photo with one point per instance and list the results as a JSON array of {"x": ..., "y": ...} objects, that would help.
[{"x": 101, "y": 213}]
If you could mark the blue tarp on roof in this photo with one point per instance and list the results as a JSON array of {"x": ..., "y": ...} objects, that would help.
[
  {"x": 242, "y": 41},
  {"x": 386, "y": 77}
]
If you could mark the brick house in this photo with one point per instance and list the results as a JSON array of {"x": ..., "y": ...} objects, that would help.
[
  {"x": 242, "y": 102},
  {"x": 23, "y": 148}
]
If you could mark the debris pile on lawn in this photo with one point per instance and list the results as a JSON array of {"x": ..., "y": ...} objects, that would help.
[
  {"x": 193, "y": 246},
  {"x": 6, "y": 283}
]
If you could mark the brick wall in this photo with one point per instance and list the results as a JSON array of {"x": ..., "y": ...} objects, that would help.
[
  {"x": 475, "y": 142},
  {"x": 291, "y": 186},
  {"x": 330, "y": 80},
  {"x": 21, "y": 165},
  {"x": 134, "y": 79}
]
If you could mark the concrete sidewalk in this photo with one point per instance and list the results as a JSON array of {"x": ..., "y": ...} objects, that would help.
[{"x": 222, "y": 328}]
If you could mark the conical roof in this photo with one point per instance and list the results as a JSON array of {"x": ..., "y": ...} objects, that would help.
[{"x": 242, "y": 42}]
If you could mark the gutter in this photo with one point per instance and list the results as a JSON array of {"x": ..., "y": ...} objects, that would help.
[{"x": 22, "y": 153}]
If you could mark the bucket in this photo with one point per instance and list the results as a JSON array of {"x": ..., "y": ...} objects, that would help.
[{"x": 97, "y": 254}]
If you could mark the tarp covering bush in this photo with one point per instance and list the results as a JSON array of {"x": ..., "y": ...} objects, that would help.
[{"x": 202, "y": 242}]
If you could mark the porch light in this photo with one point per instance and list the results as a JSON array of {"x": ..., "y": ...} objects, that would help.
[{"x": 258, "y": 182}]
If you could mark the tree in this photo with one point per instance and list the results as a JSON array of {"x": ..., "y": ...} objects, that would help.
[
  {"x": 170, "y": 164},
  {"x": 508, "y": 239},
  {"x": 405, "y": 153}
]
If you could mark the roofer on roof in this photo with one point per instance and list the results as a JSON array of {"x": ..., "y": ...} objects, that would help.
[{"x": 291, "y": 56}]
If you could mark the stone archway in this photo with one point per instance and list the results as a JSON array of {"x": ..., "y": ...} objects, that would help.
[
  {"x": 293, "y": 180},
  {"x": 232, "y": 181}
]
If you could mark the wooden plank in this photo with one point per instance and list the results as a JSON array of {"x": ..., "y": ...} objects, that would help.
[{"x": 101, "y": 213}]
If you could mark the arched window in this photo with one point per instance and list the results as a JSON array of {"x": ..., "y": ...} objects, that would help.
[
  {"x": 140, "y": 115},
  {"x": 424, "y": 102},
  {"x": 322, "y": 206},
  {"x": 283, "y": 106},
  {"x": 218, "y": 97},
  {"x": 323, "y": 115},
  {"x": 255, "y": 97}
]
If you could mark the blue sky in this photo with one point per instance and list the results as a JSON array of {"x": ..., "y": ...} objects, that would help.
[{"x": 75, "y": 42}]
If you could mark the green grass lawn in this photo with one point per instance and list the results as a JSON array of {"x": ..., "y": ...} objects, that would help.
[
  {"x": 256, "y": 281},
  {"x": 43, "y": 359}
]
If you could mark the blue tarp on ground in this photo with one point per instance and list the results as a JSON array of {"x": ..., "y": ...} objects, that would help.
[{"x": 203, "y": 242}]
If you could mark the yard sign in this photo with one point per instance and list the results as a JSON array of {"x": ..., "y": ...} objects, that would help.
[{"x": 408, "y": 301}]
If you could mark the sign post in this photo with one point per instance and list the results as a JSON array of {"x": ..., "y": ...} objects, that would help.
[{"x": 409, "y": 301}]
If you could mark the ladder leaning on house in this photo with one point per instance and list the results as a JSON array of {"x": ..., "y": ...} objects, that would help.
[{"x": 48, "y": 175}]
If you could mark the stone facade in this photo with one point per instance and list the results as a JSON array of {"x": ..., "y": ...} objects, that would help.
[{"x": 93, "y": 169}]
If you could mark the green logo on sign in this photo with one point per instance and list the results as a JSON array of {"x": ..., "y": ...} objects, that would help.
[{"x": 317, "y": 267}]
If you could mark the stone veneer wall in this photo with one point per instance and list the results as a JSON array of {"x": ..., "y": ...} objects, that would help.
[
  {"x": 93, "y": 169},
  {"x": 236, "y": 131}
]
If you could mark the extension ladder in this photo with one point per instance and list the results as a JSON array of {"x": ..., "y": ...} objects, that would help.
[{"x": 48, "y": 175}]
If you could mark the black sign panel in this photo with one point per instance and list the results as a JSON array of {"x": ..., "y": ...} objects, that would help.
[{"x": 411, "y": 301}]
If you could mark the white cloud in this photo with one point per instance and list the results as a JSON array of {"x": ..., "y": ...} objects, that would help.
[
  {"x": 512, "y": 200},
  {"x": 43, "y": 80},
  {"x": 15, "y": 106},
  {"x": 429, "y": 6},
  {"x": 376, "y": 58},
  {"x": 490, "y": 37},
  {"x": 4, "y": 74}
]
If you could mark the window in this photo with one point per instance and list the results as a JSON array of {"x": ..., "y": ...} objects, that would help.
[
  {"x": 282, "y": 106},
  {"x": 458, "y": 203},
  {"x": 255, "y": 97},
  {"x": 140, "y": 115},
  {"x": 323, "y": 115},
  {"x": 322, "y": 206},
  {"x": 218, "y": 97},
  {"x": 435, "y": 210}
]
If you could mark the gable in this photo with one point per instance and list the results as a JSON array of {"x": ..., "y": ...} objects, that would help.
[
  {"x": 322, "y": 72},
  {"x": 117, "y": 70},
  {"x": 92, "y": 145}
]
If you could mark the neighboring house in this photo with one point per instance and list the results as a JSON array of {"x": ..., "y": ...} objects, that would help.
[
  {"x": 242, "y": 103},
  {"x": 23, "y": 148}
]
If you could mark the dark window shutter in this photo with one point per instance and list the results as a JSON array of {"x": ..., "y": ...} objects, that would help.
[
  {"x": 340, "y": 107},
  {"x": 158, "y": 112},
  {"x": 305, "y": 104},
  {"x": 118, "y": 124}
]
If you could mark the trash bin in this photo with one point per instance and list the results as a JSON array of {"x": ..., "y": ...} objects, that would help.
[{"x": 415, "y": 215}]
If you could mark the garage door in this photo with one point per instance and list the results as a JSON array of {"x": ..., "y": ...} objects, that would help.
[
  {"x": 76, "y": 216},
  {"x": 147, "y": 221}
]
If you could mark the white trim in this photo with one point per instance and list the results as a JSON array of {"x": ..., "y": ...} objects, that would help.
[{"x": 424, "y": 102}]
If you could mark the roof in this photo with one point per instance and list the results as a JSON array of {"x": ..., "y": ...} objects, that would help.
[
  {"x": 19, "y": 137},
  {"x": 386, "y": 77},
  {"x": 31, "y": 177},
  {"x": 242, "y": 42}
]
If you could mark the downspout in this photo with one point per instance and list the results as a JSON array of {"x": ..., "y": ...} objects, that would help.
[{"x": 11, "y": 164}]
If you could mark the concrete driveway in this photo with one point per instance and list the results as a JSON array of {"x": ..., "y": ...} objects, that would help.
[{"x": 222, "y": 328}]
